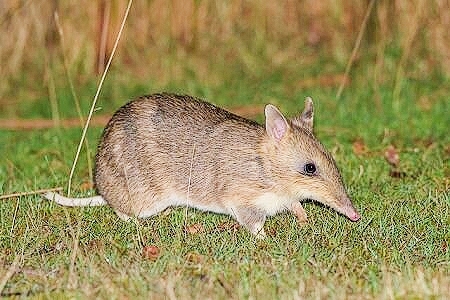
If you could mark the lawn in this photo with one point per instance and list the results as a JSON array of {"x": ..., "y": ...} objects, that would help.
[
  {"x": 388, "y": 131},
  {"x": 399, "y": 249}
]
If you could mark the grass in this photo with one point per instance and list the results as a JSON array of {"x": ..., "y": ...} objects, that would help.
[
  {"x": 399, "y": 250},
  {"x": 278, "y": 53}
]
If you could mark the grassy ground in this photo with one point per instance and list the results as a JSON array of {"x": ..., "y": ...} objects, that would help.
[{"x": 399, "y": 250}]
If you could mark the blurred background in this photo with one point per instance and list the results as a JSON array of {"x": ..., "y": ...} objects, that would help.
[{"x": 53, "y": 52}]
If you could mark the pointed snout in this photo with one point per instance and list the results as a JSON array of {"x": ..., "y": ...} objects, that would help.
[
  {"x": 354, "y": 216},
  {"x": 349, "y": 211}
]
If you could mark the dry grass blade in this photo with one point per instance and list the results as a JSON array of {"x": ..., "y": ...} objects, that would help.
[
  {"x": 72, "y": 279},
  {"x": 21, "y": 194},
  {"x": 355, "y": 48},
  {"x": 189, "y": 188},
  {"x": 94, "y": 102}
]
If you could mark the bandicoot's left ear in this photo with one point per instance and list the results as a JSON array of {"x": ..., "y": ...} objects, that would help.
[
  {"x": 276, "y": 124},
  {"x": 306, "y": 119}
]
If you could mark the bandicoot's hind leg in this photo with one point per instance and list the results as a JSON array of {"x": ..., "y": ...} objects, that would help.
[
  {"x": 123, "y": 216},
  {"x": 251, "y": 218},
  {"x": 144, "y": 206}
]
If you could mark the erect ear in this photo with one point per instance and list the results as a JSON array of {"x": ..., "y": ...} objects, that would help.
[
  {"x": 306, "y": 118},
  {"x": 276, "y": 124}
]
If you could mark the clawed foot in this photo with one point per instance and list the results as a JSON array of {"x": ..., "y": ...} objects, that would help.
[
  {"x": 299, "y": 212},
  {"x": 251, "y": 218}
]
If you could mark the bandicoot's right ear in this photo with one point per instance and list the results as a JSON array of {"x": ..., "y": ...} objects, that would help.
[
  {"x": 306, "y": 118},
  {"x": 276, "y": 124}
]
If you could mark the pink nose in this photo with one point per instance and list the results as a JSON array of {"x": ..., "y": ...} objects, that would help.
[{"x": 354, "y": 216}]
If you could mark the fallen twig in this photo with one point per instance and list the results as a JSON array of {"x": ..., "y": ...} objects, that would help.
[
  {"x": 20, "y": 194},
  {"x": 249, "y": 111},
  {"x": 36, "y": 124}
]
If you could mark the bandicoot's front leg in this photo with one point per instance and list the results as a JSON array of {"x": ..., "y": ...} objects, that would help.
[
  {"x": 299, "y": 212},
  {"x": 251, "y": 218}
]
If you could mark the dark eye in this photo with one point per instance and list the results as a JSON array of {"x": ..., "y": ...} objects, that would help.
[{"x": 309, "y": 169}]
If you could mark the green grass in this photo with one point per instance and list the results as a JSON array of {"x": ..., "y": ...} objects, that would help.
[{"x": 399, "y": 250}]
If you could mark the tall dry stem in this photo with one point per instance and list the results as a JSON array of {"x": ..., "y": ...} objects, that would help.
[
  {"x": 410, "y": 36},
  {"x": 94, "y": 101}
]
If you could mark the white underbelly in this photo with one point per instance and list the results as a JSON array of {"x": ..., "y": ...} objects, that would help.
[{"x": 271, "y": 203}]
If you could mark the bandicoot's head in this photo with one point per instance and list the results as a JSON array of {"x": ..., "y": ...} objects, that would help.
[{"x": 303, "y": 168}]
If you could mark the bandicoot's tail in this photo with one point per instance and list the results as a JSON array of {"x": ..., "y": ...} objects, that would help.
[{"x": 65, "y": 201}]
